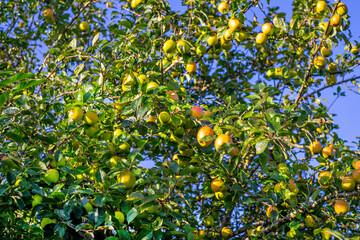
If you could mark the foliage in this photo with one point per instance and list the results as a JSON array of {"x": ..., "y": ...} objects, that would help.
[{"x": 264, "y": 97}]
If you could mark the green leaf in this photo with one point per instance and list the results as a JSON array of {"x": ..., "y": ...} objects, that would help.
[
  {"x": 261, "y": 146},
  {"x": 128, "y": 122},
  {"x": 95, "y": 38},
  {"x": 131, "y": 215},
  {"x": 17, "y": 77},
  {"x": 4, "y": 97},
  {"x": 31, "y": 83}
]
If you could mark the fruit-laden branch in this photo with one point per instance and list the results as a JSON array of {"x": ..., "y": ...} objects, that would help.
[
  {"x": 328, "y": 86},
  {"x": 289, "y": 216},
  {"x": 61, "y": 34},
  {"x": 308, "y": 72},
  {"x": 303, "y": 209}
]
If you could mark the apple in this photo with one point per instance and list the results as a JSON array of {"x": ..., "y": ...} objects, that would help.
[
  {"x": 197, "y": 112},
  {"x": 325, "y": 234},
  {"x": 182, "y": 46},
  {"x": 220, "y": 195},
  {"x": 200, "y": 50},
  {"x": 331, "y": 80},
  {"x": 209, "y": 221},
  {"x": 203, "y": 132},
  {"x": 52, "y": 175},
  {"x": 191, "y": 67},
  {"x": 221, "y": 140},
  {"x": 84, "y": 26},
  {"x": 135, "y": 3},
  {"x": 319, "y": 62},
  {"x": 315, "y": 147},
  {"x": 324, "y": 178},
  {"x": 173, "y": 95},
  {"x": 325, "y": 52},
  {"x": 117, "y": 132},
  {"x": 223, "y": 6},
  {"x": 261, "y": 38},
  {"x": 55, "y": 164},
  {"x": 169, "y": 46},
  {"x": 323, "y": 27},
  {"x": 341, "y": 9},
  {"x": 91, "y": 118},
  {"x": 48, "y": 13},
  {"x": 332, "y": 67},
  {"x": 341, "y": 207},
  {"x": 213, "y": 40},
  {"x": 348, "y": 183},
  {"x": 37, "y": 200},
  {"x": 217, "y": 185},
  {"x": 321, "y": 7},
  {"x": 310, "y": 222},
  {"x": 335, "y": 21},
  {"x": 356, "y": 175},
  {"x": 328, "y": 152},
  {"x": 127, "y": 178},
  {"x": 226, "y": 232},
  {"x": 124, "y": 148},
  {"x": 114, "y": 161},
  {"x": 120, "y": 217},
  {"x": 355, "y": 50},
  {"x": 234, "y": 24},
  {"x": 164, "y": 117},
  {"x": 267, "y": 28},
  {"x": 228, "y": 34},
  {"x": 76, "y": 114},
  {"x": 91, "y": 130},
  {"x": 50, "y": 20}
]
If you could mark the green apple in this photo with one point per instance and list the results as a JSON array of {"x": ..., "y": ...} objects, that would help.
[
  {"x": 52, "y": 175},
  {"x": 37, "y": 200},
  {"x": 120, "y": 217}
]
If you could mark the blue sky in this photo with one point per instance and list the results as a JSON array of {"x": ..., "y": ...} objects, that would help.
[{"x": 346, "y": 109}]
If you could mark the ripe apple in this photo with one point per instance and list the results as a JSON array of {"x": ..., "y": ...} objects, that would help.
[
  {"x": 203, "y": 132},
  {"x": 321, "y": 7},
  {"x": 319, "y": 62},
  {"x": 151, "y": 86},
  {"x": 52, "y": 175},
  {"x": 323, "y": 27},
  {"x": 200, "y": 50},
  {"x": 332, "y": 67},
  {"x": 212, "y": 40},
  {"x": 310, "y": 222},
  {"x": 197, "y": 112},
  {"x": 124, "y": 148},
  {"x": 315, "y": 147},
  {"x": 209, "y": 221},
  {"x": 173, "y": 95},
  {"x": 48, "y": 13},
  {"x": 217, "y": 185},
  {"x": 220, "y": 195},
  {"x": 355, "y": 50},
  {"x": 348, "y": 183},
  {"x": 222, "y": 139},
  {"x": 261, "y": 38},
  {"x": 114, "y": 161},
  {"x": 270, "y": 209},
  {"x": 234, "y": 24},
  {"x": 356, "y": 163},
  {"x": 267, "y": 28},
  {"x": 143, "y": 78},
  {"x": 91, "y": 130},
  {"x": 37, "y": 200},
  {"x": 223, "y": 6},
  {"x": 335, "y": 21},
  {"x": 84, "y": 26},
  {"x": 328, "y": 152},
  {"x": 135, "y": 3},
  {"x": 127, "y": 178},
  {"x": 356, "y": 175},
  {"x": 234, "y": 152},
  {"x": 164, "y": 117},
  {"x": 91, "y": 118},
  {"x": 169, "y": 46},
  {"x": 152, "y": 118},
  {"x": 341, "y": 207},
  {"x": 191, "y": 67},
  {"x": 226, "y": 232},
  {"x": 341, "y": 9},
  {"x": 120, "y": 217},
  {"x": 325, "y": 52},
  {"x": 182, "y": 46},
  {"x": 228, "y": 34},
  {"x": 324, "y": 178}
]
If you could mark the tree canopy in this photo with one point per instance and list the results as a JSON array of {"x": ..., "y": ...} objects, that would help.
[{"x": 223, "y": 98}]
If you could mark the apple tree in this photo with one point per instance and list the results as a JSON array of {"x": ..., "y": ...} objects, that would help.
[{"x": 136, "y": 120}]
